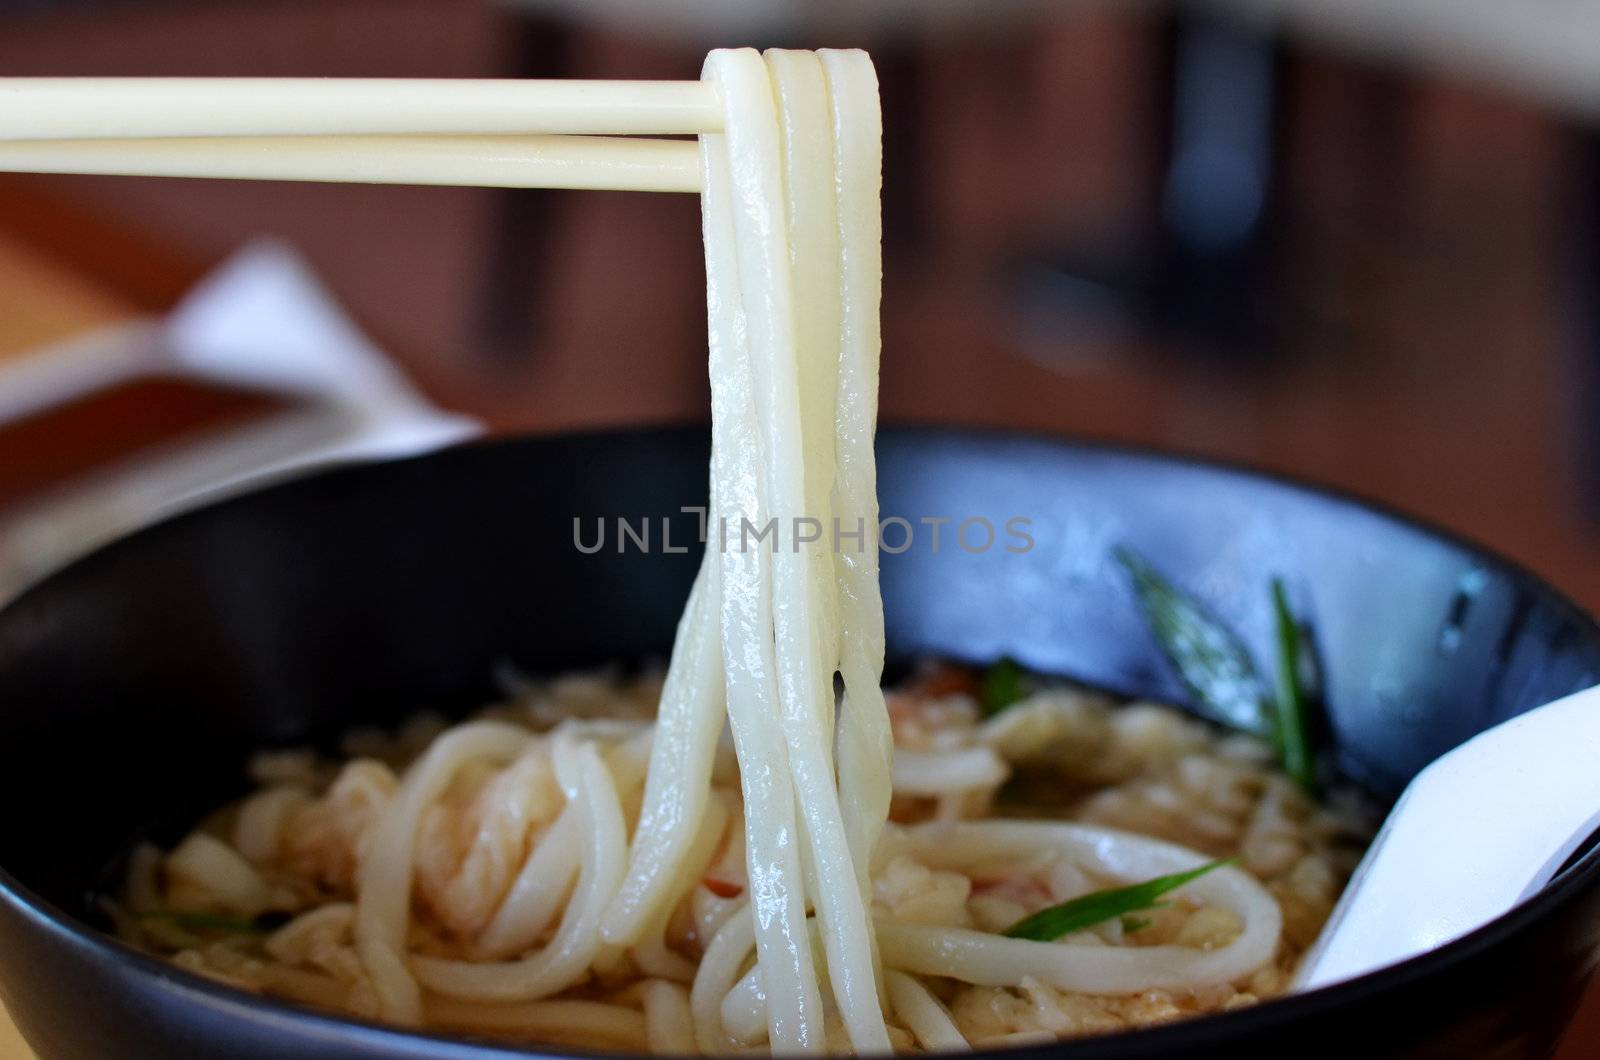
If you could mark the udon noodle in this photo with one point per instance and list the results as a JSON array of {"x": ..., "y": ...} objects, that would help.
[{"x": 706, "y": 863}]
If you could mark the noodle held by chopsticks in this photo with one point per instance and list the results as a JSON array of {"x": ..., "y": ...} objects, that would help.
[{"x": 636, "y": 900}]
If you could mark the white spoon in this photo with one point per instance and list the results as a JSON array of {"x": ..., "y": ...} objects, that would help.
[{"x": 1475, "y": 833}]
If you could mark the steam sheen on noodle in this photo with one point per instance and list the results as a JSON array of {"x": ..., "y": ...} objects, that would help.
[{"x": 726, "y": 878}]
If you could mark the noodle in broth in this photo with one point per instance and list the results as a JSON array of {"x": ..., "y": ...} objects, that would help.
[{"x": 565, "y": 870}]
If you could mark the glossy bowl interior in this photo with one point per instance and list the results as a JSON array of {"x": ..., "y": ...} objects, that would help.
[{"x": 134, "y": 684}]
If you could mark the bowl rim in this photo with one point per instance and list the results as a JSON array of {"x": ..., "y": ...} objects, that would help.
[{"x": 96, "y": 944}]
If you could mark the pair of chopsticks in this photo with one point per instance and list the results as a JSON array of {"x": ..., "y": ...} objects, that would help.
[{"x": 505, "y": 134}]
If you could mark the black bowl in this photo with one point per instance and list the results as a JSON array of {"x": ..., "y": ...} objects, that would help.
[{"x": 133, "y": 685}]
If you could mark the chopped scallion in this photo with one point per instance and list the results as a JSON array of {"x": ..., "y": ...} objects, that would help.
[
  {"x": 1085, "y": 912},
  {"x": 1293, "y": 740},
  {"x": 1208, "y": 657},
  {"x": 1003, "y": 685},
  {"x": 207, "y": 922}
]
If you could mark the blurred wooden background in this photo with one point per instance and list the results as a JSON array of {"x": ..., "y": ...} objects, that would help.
[
  {"x": 1417, "y": 327},
  {"x": 1410, "y": 314}
]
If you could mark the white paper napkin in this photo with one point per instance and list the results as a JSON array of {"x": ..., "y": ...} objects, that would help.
[{"x": 261, "y": 321}]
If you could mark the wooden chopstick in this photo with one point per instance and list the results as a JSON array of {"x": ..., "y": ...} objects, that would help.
[
  {"x": 38, "y": 108},
  {"x": 579, "y": 162}
]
